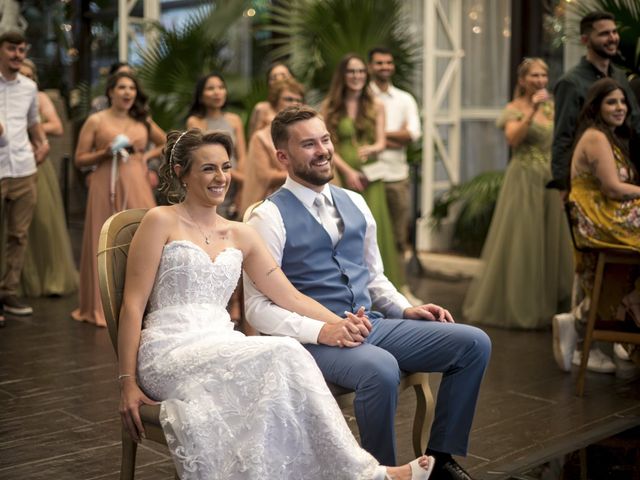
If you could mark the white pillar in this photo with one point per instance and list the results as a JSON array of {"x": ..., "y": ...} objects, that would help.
[
  {"x": 126, "y": 21},
  {"x": 441, "y": 104}
]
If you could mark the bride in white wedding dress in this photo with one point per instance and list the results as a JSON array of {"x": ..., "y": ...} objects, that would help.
[{"x": 233, "y": 406}]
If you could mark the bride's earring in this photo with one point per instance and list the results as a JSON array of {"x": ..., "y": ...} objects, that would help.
[{"x": 184, "y": 185}]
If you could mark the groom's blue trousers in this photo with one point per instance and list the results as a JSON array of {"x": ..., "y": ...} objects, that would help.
[{"x": 373, "y": 369}]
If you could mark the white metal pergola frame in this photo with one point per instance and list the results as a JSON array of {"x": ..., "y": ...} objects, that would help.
[
  {"x": 127, "y": 23},
  {"x": 440, "y": 116}
]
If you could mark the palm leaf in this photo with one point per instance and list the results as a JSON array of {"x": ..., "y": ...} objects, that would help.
[
  {"x": 477, "y": 199},
  {"x": 172, "y": 65}
]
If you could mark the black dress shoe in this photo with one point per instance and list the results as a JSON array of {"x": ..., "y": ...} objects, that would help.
[{"x": 449, "y": 470}]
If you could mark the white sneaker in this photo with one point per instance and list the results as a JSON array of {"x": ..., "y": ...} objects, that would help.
[
  {"x": 564, "y": 339},
  {"x": 620, "y": 352},
  {"x": 598, "y": 362},
  {"x": 413, "y": 300}
]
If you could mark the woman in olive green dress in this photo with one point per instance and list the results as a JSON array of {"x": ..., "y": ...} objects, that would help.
[
  {"x": 355, "y": 119},
  {"x": 527, "y": 256},
  {"x": 48, "y": 268}
]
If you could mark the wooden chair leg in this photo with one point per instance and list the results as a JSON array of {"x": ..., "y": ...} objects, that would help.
[
  {"x": 583, "y": 463},
  {"x": 423, "y": 418},
  {"x": 129, "y": 449},
  {"x": 591, "y": 321}
]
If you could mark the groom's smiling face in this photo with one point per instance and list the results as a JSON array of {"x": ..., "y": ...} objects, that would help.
[{"x": 308, "y": 155}]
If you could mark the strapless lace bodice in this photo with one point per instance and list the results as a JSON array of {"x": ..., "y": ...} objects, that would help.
[{"x": 187, "y": 275}]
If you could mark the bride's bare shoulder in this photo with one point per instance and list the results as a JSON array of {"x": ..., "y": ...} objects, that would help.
[
  {"x": 244, "y": 236},
  {"x": 163, "y": 217},
  {"x": 239, "y": 229}
]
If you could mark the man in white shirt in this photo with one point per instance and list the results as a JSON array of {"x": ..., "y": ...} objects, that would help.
[
  {"x": 18, "y": 163},
  {"x": 324, "y": 239},
  {"x": 402, "y": 127}
]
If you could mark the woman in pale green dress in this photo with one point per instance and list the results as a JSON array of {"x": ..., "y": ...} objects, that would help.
[
  {"x": 48, "y": 268},
  {"x": 355, "y": 119},
  {"x": 527, "y": 256}
]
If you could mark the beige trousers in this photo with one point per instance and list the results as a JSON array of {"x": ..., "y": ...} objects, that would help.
[
  {"x": 17, "y": 203},
  {"x": 399, "y": 208}
]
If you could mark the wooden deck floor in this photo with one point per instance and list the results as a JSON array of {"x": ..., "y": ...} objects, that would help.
[{"x": 58, "y": 401}]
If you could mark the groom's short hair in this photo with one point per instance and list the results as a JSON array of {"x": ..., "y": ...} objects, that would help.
[{"x": 287, "y": 117}]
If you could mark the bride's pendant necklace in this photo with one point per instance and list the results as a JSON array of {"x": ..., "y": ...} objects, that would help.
[{"x": 206, "y": 237}]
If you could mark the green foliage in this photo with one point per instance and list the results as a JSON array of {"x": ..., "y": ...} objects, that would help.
[
  {"x": 80, "y": 102},
  {"x": 627, "y": 13},
  {"x": 172, "y": 65},
  {"x": 477, "y": 199},
  {"x": 313, "y": 35}
]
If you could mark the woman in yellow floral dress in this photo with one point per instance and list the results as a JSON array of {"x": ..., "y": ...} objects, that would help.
[{"x": 605, "y": 187}]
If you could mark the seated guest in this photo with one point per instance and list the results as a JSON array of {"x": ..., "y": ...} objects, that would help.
[
  {"x": 605, "y": 187},
  {"x": 233, "y": 407},
  {"x": 324, "y": 239},
  {"x": 263, "y": 172}
]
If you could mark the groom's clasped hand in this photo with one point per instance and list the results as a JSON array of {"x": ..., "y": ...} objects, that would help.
[{"x": 349, "y": 332}]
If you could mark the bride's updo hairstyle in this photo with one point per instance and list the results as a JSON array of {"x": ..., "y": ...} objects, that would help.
[{"x": 178, "y": 151}]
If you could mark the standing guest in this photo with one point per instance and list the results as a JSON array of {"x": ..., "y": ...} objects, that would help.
[
  {"x": 402, "y": 127},
  {"x": 324, "y": 240},
  {"x": 263, "y": 112},
  {"x": 528, "y": 271},
  {"x": 264, "y": 174},
  {"x": 207, "y": 113},
  {"x": 599, "y": 34},
  {"x": 355, "y": 119},
  {"x": 101, "y": 102},
  {"x": 115, "y": 142},
  {"x": 18, "y": 164},
  {"x": 49, "y": 268},
  {"x": 233, "y": 407},
  {"x": 605, "y": 188}
]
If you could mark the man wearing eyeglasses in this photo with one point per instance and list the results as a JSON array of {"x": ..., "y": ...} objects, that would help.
[
  {"x": 402, "y": 127},
  {"x": 23, "y": 145}
]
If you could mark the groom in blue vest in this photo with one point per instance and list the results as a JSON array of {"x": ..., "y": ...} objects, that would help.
[{"x": 324, "y": 239}]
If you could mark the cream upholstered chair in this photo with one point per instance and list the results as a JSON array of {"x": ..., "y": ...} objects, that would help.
[
  {"x": 425, "y": 407},
  {"x": 601, "y": 329},
  {"x": 113, "y": 249}
]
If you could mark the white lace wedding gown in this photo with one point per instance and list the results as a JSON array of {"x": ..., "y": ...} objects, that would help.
[{"x": 236, "y": 407}]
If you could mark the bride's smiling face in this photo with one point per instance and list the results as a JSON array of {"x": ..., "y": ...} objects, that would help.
[{"x": 209, "y": 177}]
